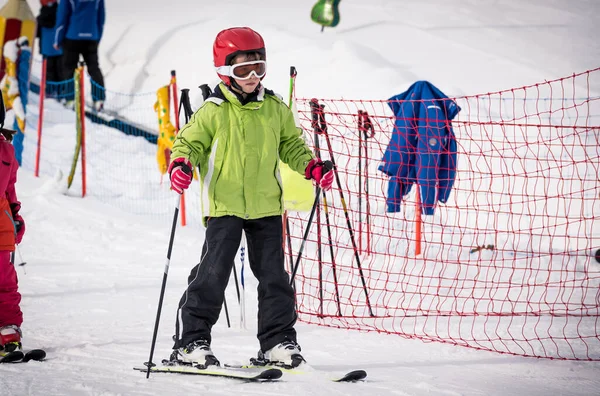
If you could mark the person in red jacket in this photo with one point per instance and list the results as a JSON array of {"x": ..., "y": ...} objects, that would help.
[{"x": 12, "y": 228}]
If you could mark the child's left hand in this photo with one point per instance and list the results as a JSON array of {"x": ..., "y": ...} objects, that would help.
[{"x": 20, "y": 227}]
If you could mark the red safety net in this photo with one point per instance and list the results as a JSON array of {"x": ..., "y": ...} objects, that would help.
[{"x": 506, "y": 263}]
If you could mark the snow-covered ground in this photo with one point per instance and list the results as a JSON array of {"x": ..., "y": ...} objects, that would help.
[{"x": 91, "y": 283}]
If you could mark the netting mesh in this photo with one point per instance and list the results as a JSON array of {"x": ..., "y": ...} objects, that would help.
[{"x": 507, "y": 262}]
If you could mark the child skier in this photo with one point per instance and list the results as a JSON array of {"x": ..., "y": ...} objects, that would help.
[
  {"x": 236, "y": 139},
  {"x": 12, "y": 228}
]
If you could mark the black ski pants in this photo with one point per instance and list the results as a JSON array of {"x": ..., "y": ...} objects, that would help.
[
  {"x": 54, "y": 77},
  {"x": 88, "y": 49},
  {"x": 201, "y": 303}
]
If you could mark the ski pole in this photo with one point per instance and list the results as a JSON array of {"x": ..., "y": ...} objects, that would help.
[
  {"x": 235, "y": 278},
  {"x": 149, "y": 363},
  {"x": 360, "y": 144},
  {"x": 335, "y": 280},
  {"x": 186, "y": 105},
  {"x": 327, "y": 165},
  {"x": 318, "y": 110},
  {"x": 317, "y": 131},
  {"x": 367, "y": 125},
  {"x": 288, "y": 235},
  {"x": 226, "y": 312},
  {"x": 243, "y": 299}
]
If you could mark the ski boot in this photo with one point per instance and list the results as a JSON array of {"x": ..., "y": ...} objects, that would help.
[
  {"x": 286, "y": 355},
  {"x": 196, "y": 353},
  {"x": 10, "y": 340}
]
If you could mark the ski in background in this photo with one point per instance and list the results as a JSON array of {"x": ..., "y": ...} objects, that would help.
[{"x": 24, "y": 357}]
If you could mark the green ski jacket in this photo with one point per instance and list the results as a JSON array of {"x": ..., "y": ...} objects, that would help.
[{"x": 238, "y": 148}]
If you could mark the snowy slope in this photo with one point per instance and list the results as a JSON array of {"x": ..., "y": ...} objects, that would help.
[{"x": 93, "y": 272}]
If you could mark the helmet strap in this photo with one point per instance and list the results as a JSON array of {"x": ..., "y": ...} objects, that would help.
[
  {"x": 235, "y": 86},
  {"x": 242, "y": 96}
]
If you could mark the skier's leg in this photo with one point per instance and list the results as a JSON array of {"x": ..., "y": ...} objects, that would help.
[
  {"x": 90, "y": 57},
  {"x": 276, "y": 305},
  {"x": 201, "y": 303},
  {"x": 10, "y": 311},
  {"x": 69, "y": 59},
  {"x": 53, "y": 75}
]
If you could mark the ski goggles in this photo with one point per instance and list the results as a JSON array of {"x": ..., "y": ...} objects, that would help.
[{"x": 244, "y": 70}]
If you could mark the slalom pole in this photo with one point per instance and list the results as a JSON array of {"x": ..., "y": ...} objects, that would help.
[
  {"x": 418, "y": 222},
  {"x": 41, "y": 118},
  {"x": 78, "y": 123},
  {"x": 175, "y": 98},
  {"x": 149, "y": 363},
  {"x": 318, "y": 110},
  {"x": 327, "y": 165},
  {"x": 82, "y": 104}
]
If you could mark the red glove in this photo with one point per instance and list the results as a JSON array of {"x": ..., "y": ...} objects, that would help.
[
  {"x": 20, "y": 227},
  {"x": 321, "y": 172},
  {"x": 181, "y": 174}
]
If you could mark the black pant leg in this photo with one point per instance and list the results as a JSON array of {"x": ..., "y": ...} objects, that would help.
[
  {"x": 90, "y": 57},
  {"x": 70, "y": 59},
  {"x": 53, "y": 75},
  {"x": 53, "y": 68},
  {"x": 200, "y": 305},
  {"x": 276, "y": 300}
]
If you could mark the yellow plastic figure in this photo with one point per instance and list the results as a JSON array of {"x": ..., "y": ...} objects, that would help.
[
  {"x": 10, "y": 83},
  {"x": 166, "y": 130}
]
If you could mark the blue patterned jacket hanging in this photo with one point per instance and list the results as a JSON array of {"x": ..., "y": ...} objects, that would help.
[{"x": 423, "y": 147}]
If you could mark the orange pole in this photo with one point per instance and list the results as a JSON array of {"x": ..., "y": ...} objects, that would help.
[
  {"x": 175, "y": 98},
  {"x": 176, "y": 112},
  {"x": 418, "y": 222},
  {"x": 40, "y": 119},
  {"x": 82, "y": 106}
]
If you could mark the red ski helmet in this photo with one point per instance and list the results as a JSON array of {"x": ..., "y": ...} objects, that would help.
[{"x": 232, "y": 42}]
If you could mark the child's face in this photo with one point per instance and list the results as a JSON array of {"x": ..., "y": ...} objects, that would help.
[{"x": 248, "y": 85}]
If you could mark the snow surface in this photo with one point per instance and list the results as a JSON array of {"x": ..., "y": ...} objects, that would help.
[{"x": 93, "y": 272}]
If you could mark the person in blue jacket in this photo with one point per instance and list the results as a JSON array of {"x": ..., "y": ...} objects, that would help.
[
  {"x": 79, "y": 28},
  {"x": 423, "y": 148},
  {"x": 46, "y": 22}
]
